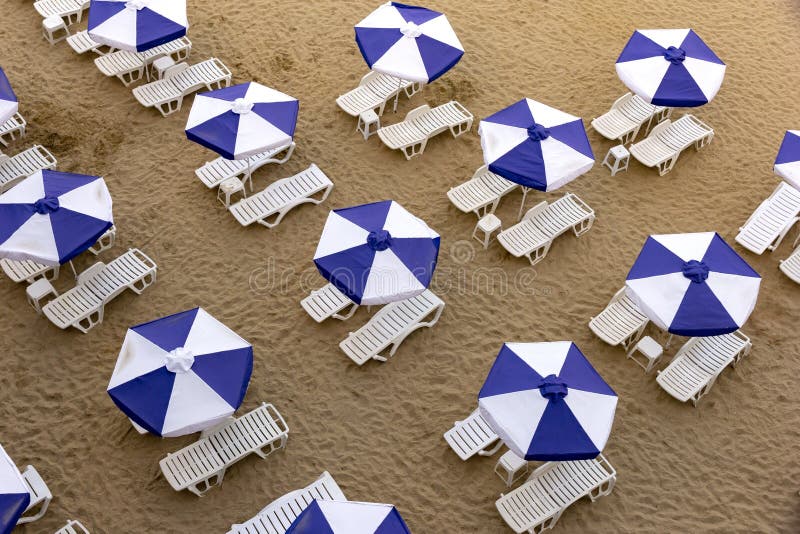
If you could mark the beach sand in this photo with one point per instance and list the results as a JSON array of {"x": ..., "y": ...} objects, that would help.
[{"x": 729, "y": 465}]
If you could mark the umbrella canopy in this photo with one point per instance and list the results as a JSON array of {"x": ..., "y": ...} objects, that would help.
[
  {"x": 14, "y": 496},
  {"x": 181, "y": 374},
  {"x": 377, "y": 253},
  {"x": 8, "y": 100},
  {"x": 672, "y": 68},
  {"x": 242, "y": 120},
  {"x": 51, "y": 217},
  {"x": 535, "y": 145},
  {"x": 137, "y": 25},
  {"x": 787, "y": 163},
  {"x": 409, "y": 42},
  {"x": 693, "y": 284},
  {"x": 345, "y": 517},
  {"x": 547, "y": 402}
]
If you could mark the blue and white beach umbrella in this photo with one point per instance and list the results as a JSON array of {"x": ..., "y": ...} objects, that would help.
[
  {"x": 137, "y": 25},
  {"x": 377, "y": 253},
  {"x": 346, "y": 517},
  {"x": 14, "y": 496},
  {"x": 51, "y": 217},
  {"x": 693, "y": 284},
  {"x": 672, "y": 68},
  {"x": 410, "y": 42},
  {"x": 547, "y": 402},
  {"x": 787, "y": 163},
  {"x": 535, "y": 145},
  {"x": 181, "y": 374},
  {"x": 242, "y": 120},
  {"x": 8, "y": 100}
]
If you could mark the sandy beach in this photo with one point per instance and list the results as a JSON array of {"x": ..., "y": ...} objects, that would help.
[{"x": 729, "y": 465}]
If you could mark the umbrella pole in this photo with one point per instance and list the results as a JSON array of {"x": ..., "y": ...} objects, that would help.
[
  {"x": 74, "y": 272},
  {"x": 397, "y": 96},
  {"x": 250, "y": 174},
  {"x": 522, "y": 205}
]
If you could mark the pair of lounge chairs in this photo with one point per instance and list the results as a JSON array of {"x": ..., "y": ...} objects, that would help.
[
  {"x": 542, "y": 224},
  {"x": 69, "y": 10},
  {"x": 482, "y": 193},
  {"x": 24, "y": 164},
  {"x": 81, "y": 42},
  {"x": 12, "y": 129},
  {"x": 181, "y": 80},
  {"x": 373, "y": 92},
  {"x": 278, "y": 516},
  {"x": 130, "y": 67},
  {"x": 213, "y": 173},
  {"x": 668, "y": 139},
  {"x": 268, "y": 207},
  {"x": 412, "y": 134},
  {"x": 261, "y": 432},
  {"x": 83, "y": 306},
  {"x": 627, "y": 116},
  {"x": 29, "y": 271},
  {"x": 694, "y": 369},
  {"x": 771, "y": 221}
]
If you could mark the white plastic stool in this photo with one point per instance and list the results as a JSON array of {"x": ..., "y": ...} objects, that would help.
[
  {"x": 161, "y": 65},
  {"x": 511, "y": 468},
  {"x": 39, "y": 290},
  {"x": 621, "y": 157},
  {"x": 650, "y": 349},
  {"x": 50, "y": 28},
  {"x": 368, "y": 123},
  {"x": 228, "y": 188},
  {"x": 488, "y": 224}
]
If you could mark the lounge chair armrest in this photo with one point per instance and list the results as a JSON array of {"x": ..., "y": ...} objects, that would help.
[
  {"x": 417, "y": 112},
  {"x": 660, "y": 127},
  {"x": 483, "y": 169},
  {"x": 538, "y": 208}
]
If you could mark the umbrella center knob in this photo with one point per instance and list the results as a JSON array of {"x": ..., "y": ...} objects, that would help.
[
  {"x": 136, "y": 5},
  {"x": 675, "y": 55},
  {"x": 380, "y": 240},
  {"x": 46, "y": 205},
  {"x": 179, "y": 360},
  {"x": 552, "y": 388},
  {"x": 696, "y": 271},
  {"x": 411, "y": 30},
  {"x": 537, "y": 132},
  {"x": 241, "y": 106}
]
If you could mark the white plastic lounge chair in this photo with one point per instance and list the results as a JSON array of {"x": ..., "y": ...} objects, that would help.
[
  {"x": 81, "y": 43},
  {"x": 694, "y": 369},
  {"x": 69, "y": 10},
  {"x": 626, "y": 117},
  {"x": 72, "y": 527},
  {"x": 215, "y": 172},
  {"x": 261, "y": 431},
  {"x": 24, "y": 164},
  {"x": 620, "y": 323},
  {"x": 12, "y": 129},
  {"x": 668, "y": 139},
  {"x": 40, "y": 496},
  {"x": 282, "y": 196},
  {"x": 473, "y": 436},
  {"x": 179, "y": 81},
  {"x": 130, "y": 67},
  {"x": 771, "y": 221},
  {"x": 533, "y": 235},
  {"x": 83, "y": 306},
  {"x": 277, "y": 517},
  {"x": 328, "y": 302},
  {"x": 412, "y": 134},
  {"x": 29, "y": 271},
  {"x": 791, "y": 265},
  {"x": 373, "y": 92},
  {"x": 390, "y": 326},
  {"x": 482, "y": 193},
  {"x": 537, "y": 505}
]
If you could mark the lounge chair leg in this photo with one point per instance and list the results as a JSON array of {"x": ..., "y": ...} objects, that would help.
[
  {"x": 538, "y": 255},
  {"x": 345, "y": 316},
  {"x": 493, "y": 450}
]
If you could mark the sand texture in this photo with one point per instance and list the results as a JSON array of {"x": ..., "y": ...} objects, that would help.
[{"x": 730, "y": 465}]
